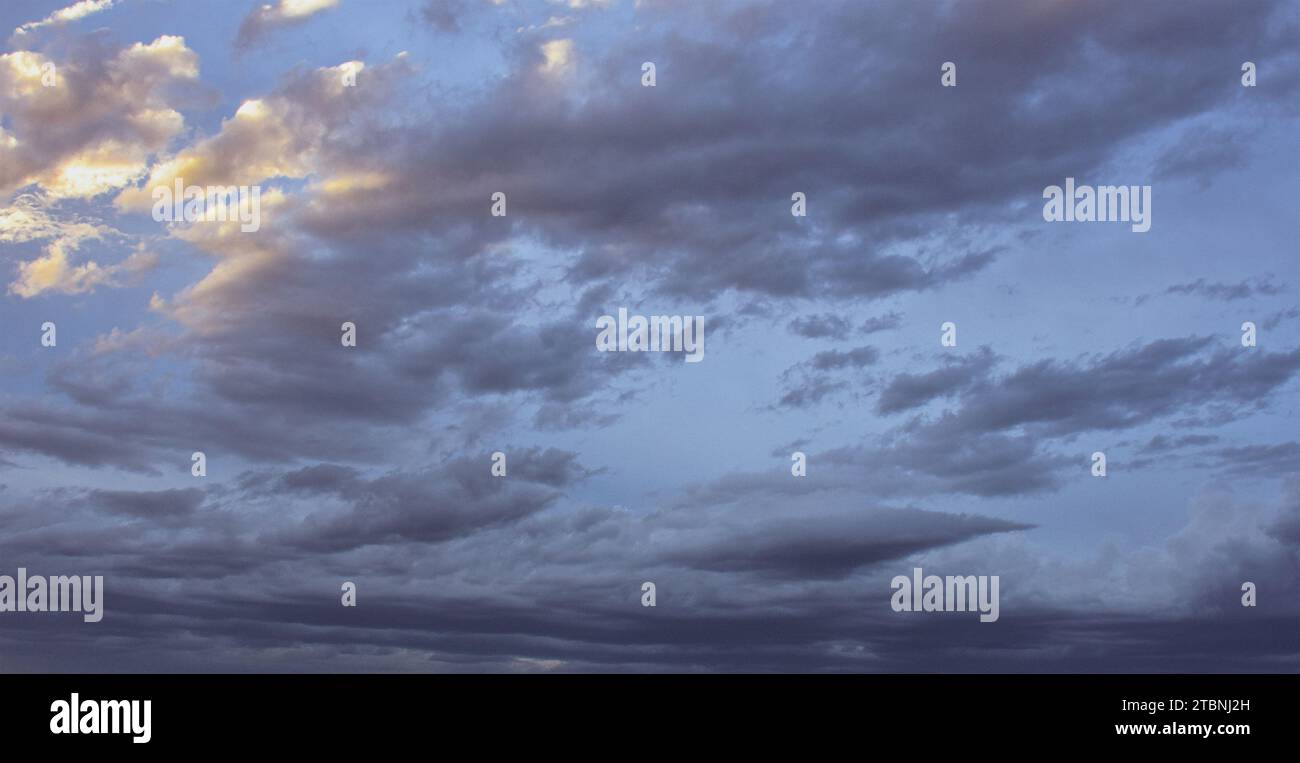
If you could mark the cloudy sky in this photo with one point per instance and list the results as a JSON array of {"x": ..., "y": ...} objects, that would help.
[{"x": 476, "y": 334}]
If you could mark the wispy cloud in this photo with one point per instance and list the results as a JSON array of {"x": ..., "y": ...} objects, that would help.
[
  {"x": 66, "y": 15},
  {"x": 268, "y": 18}
]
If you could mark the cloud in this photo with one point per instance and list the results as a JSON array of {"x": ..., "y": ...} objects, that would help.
[
  {"x": 145, "y": 504},
  {"x": 906, "y": 391},
  {"x": 557, "y": 56},
  {"x": 811, "y": 381},
  {"x": 464, "y": 498},
  {"x": 778, "y": 594},
  {"x": 1118, "y": 390},
  {"x": 1204, "y": 152},
  {"x": 29, "y": 219},
  {"x": 370, "y": 463},
  {"x": 75, "y": 150},
  {"x": 278, "y": 136},
  {"x": 835, "y": 546},
  {"x": 445, "y": 15},
  {"x": 995, "y": 437},
  {"x": 837, "y": 327},
  {"x": 74, "y": 12},
  {"x": 52, "y": 272},
  {"x": 1260, "y": 460},
  {"x": 644, "y": 190},
  {"x": 569, "y": 572},
  {"x": 1228, "y": 292},
  {"x": 92, "y": 133},
  {"x": 881, "y": 323},
  {"x": 827, "y": 325},
  {"x": 265, "y": 20},
  {"x": 580, "y": 4}
]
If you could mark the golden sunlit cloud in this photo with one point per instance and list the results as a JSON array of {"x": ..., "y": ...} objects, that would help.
[
  {"x": 54, "y": 271},
  {"x": 557, "y": 55},
  {"x": 116, "y": 114},
  {"x": 28, "y": 219},
  {"x": 274, "y": 136},
  {"x": 340, "y": 185},
  {"x": 107, "y": 167}
]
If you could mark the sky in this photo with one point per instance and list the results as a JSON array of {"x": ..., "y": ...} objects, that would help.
[{"x": 378, "y": 134}]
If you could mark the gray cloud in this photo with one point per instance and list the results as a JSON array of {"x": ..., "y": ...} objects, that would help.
[
  {"x": 824, "y": 326},
  {"x": 1228, "y": 292}
]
